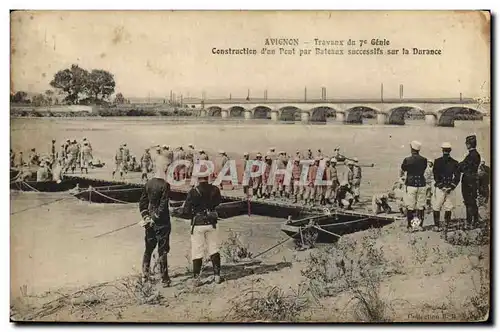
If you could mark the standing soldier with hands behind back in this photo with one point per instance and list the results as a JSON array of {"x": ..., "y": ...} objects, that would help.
[
  {"x": 414, "y": 166},
  {"x": 153, "y": 206},
  {"x": 446, "y": 178},
  {"x": 469, "y": 167}
]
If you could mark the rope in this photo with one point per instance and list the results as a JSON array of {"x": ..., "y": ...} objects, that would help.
[
  {"x": 324, "y": 230},
  {"x": 27, "y": 185},
  {"x": 106, "y": 196},
  {"x": 115, "y": 230},
  {"x": 34, "y": 207}
]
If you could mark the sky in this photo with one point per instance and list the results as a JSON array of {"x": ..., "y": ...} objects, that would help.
[{"x": 151, "y": 53}]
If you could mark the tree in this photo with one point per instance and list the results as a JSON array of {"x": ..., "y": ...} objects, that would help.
[
  {"x": 49, "y": 94},
  {"x": 19, "y": 97},
  {"x": 119, "y": 99},
  {"x": 100, "y": 84},
  {"x": 39, "y": 100},
  {"x": 72, "y": 82}
]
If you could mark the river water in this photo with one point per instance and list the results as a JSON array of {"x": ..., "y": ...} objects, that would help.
[{"x": 54, "y": 246}]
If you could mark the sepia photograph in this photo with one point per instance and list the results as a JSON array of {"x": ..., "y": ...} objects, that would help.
[{"x": 250, "y": 166}]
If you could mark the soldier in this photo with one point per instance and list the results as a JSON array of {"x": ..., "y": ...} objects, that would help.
[
  {"x": 57, "y": 173},
  {"x": 12, "y": 158},
  {"x": 153, "y": 206},
  {"x": 320, "y": 154},
  {"x": 429, "y": 181},
  {"x": 356, "y": 183},
  {"x": 119, "y": 162},
  {"x": 469, "y": 169},
  {"x": 86, "y": 158},
  {"x": 279, "y": 178},
  {"x": 268, "y": 188},
  {"x": 53, "y": 152},
  {"x": 202, "y": 155},
  {"x": 66, "y": 146},
  {"x": 294, "y": 188},
  {"x": 310, "y": 185},
  {"x": 223, "y": 160},
  {"x": 168, "y": 153},
  {"x": 299, "y": 155},
  {"x": 246, "y": 160},
  {"x": 43, "y": 172},
  {"x": 61, "y": 155},
  {"x": 200, "y": 206},
  {"x": 125, "y": 158},
  {"x": 415, "y": 166},
  {"x": 484, "y": 182},
  {"x": 33, "y": 158},
  {"x": 257, "y": 181},
  {"x": 380, "y": 203},
  {"x": 446, "y": 178},
  {"x": 72, "y": 157},
  {"x": 190, "y": 153},
  {"x": 146, "y": 165},
  {"x": 331, "y": 175},
  {"x": 345, "y": 197},
  {"x": 398, "y": 194}
]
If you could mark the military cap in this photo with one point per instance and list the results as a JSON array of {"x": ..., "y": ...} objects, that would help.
[
  {"x": 333, "y": 160},
  {"x": 416, "y": 145},
  {"x": 350, "y": 163},
  {"x": 471, "y": 139},
  {"x": 259, "y": 155},
  {"x": 272, "y": 149},
  {"x": 446, "y": 145},
  {"x": 355, "y": 159},
  {"x": 245, "y": 154}
]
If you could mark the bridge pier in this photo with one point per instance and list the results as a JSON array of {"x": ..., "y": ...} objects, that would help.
[
  {"x": 248, "y": 114},
  {"x": 224, "y": 113},
  {"x": 203, "y": 112},
  {"x": 381, "y": 118},
  {"x": 305, "y": 117},
  {"x": 430, "y": 119},
  {"x": 275, "y": 116},
  {"x": 340, "y": 117}
]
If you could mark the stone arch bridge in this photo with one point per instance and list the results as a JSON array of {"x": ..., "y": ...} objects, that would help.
[{"x": 439, "y": 112}]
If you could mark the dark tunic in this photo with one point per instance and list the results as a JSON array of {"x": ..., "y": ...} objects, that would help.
[
  {"x": 446, "y": 172},
  {"x": 206, "y": 198},
  {"x": 469, "y": 167},
  {"x": 414, "y": 166},
  {"x": 154, "y": 201}
]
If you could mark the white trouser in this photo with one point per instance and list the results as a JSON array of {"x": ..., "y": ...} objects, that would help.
[
  {"x": 441, "y": 200},
  {"x": 415, "y": 198},
  {"x": 204, "y": 238}
]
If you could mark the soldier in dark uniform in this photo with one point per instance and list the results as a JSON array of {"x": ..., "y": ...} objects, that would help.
[
  {"x": 415, "y": 166},
  {"x": 469, "y": 167},
  {"x": 200, "y": 206},
  {"x": 446, "y": 178},
  {"x": 153, "y": 206}
]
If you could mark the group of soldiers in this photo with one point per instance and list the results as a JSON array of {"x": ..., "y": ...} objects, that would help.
[
  {"x": 342, "y": 192},
  {"x": 70, "y": 155},
  {"x": 432, "y": 185}
]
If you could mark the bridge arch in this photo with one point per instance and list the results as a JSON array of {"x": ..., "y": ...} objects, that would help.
[
  {"x": 397, "y": 114},
  {"x": 446, "y": 117},
  {"x": 289, "y": 113},
  {"x": 261, "y": 112},
  {"x": 236, "y": 111},
  {"x": 320, "y": 113},
  {"x": 356, "y": 114},
  {"x": 214, "y": 111}
]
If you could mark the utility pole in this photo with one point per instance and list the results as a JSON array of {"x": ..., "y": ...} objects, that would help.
[
  {"x": 305, "y": 93},
  {"x": 460, "y": 96},
  {"x": 382, "y": 91},
  {"x": 230, "y": 97},
  {"x": 248, "y": 94},
  {"x": 401, "y": 95},
  {"x": 181, "y": 100},
  {"x": 171, "y": 96},
  {"x": 203, "y": 95}
]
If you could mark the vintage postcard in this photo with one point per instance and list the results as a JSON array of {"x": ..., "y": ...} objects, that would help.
[{"x": 250, "y": 166}]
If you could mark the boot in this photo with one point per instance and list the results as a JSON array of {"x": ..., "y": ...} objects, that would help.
[
  {"x": 165, "y": 279},
  {"x": 409, "y": 218},
  {"x": 468, "y": 218},
  {"x": 146, "y": 269},
  {"x": 196, "y": 271},
  {"x": 113, "y": 174},
  {"x": 295, "y": 200},
  {"x": 436, "y": 218},
  {"x": 475, "y": 217},
  {"x": 254, "y": 192},
  {"x": 447, "y": 221},
  {"x": 281, "y": 193},
  {"x": 421, "y": 216},
  {"x": 215, "y": 258}
]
